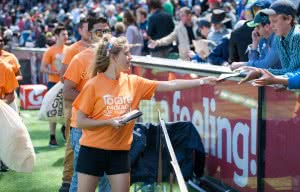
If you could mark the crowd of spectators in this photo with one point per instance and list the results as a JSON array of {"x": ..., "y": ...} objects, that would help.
[{"x": 218, "y": 32}]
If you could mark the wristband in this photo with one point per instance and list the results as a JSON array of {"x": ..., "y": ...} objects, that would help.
[{"x": 201, "y": 82}]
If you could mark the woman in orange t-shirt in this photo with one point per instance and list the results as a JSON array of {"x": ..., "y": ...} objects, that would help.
[{"x": 106, "y": 141}]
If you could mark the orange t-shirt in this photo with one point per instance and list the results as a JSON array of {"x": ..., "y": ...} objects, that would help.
[
  {"x": 73, "y": 50},
  {"x": 10, "y": 59},
  {"x": 77, "y": 72},
  {"x": 8, "y": 81},
  {"x": 53, "y": 57},
  {"x": 103, "y": 98}
]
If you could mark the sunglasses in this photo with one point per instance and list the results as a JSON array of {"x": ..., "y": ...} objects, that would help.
[{"x": 100, "y": 32}]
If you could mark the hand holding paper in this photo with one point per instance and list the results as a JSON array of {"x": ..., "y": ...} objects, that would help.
[
  {"x": 130, "y": 116},
  {"x": 227, "y": 75}
]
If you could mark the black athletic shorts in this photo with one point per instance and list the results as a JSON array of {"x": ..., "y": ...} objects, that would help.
[{"x": 94, "y": 161}]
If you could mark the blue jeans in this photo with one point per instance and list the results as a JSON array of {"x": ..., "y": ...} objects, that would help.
[{"x": 104, "y": 185}]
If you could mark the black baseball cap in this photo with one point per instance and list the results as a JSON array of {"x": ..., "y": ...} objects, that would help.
[
  {"x": 285, "y": 7},
  {"x": 203, "y": 23}
]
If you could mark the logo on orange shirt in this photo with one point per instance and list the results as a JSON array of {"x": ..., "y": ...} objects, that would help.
[
  {"x": 84, "y": 75},
  {"x": 58, "y": 61},
  {"x": 117, "y": 105}
]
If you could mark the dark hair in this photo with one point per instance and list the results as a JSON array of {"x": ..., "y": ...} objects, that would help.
[
  {"x": 203, "y": 23},
  {"x": 155, "y": 4},
  {"x": 128, "y": 18},
  {"x": 142, "y": 11},
  {"x": 82, "y": 21},
  {"x": 294, "y": 19},
  {"x": 59, "y": 29},
  {"x": 95, "y": 20},
  {"x": 105, "y": 50}
]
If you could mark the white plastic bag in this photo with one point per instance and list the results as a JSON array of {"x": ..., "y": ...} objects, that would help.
[
  {"x": 16, "y": 149},
  {"x": 52, "y": 106}
]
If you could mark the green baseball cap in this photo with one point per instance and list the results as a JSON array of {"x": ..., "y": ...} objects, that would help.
[{"x": 260, "y": 18}]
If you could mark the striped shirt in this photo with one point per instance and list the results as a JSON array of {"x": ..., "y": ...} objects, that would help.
[{"x": 289, "y": 51}]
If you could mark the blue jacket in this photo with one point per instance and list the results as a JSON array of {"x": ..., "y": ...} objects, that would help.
[
  {"x": 294, "y": 80},
  {"x": 220, "y": 54},
  {"x": 288, "y": 51},
  {"x": 267, "y": 56}
]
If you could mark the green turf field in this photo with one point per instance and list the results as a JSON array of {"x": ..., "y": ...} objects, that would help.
[{"x": 47, "y": 173}]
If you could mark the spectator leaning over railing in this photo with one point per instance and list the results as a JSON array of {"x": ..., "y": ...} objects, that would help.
[
  {"x": 267, "y": 78},
  {"x": 282, "y": 14},
  {"x": 262, "y": 51},
  {"x": 241, "y": 38}
]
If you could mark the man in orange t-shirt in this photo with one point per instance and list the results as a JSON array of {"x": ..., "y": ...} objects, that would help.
[
  {"x": 76, "y": 47},
  {"x": 11, "y": 59},
  {"x": 8, "y": 82},
  {"x": 51, "y": 64},
  {"x": 75, "y": 77},
  {"x": 69, "y": 53}
]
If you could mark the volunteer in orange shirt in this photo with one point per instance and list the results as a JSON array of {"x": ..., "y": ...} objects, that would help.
[
  {"x": 75, "y": 77},
  {"x": 69, "y": 53},
  {"x": 10, "y": 59},
  {"x": 51, "y": 63},
  {"x": 76, "y": 47},
  {"x": 105, "y": 142},
  {"x": 8, "y": 84}
]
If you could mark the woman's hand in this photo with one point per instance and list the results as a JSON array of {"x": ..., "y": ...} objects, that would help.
[
  {"x": 236, "y": 65},
  {"x": 211, "y": 80},
  {"x": 116, "y": 123}
]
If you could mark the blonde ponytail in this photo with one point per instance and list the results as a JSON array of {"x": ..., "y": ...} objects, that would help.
[{"x": 107, "y": 47}]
